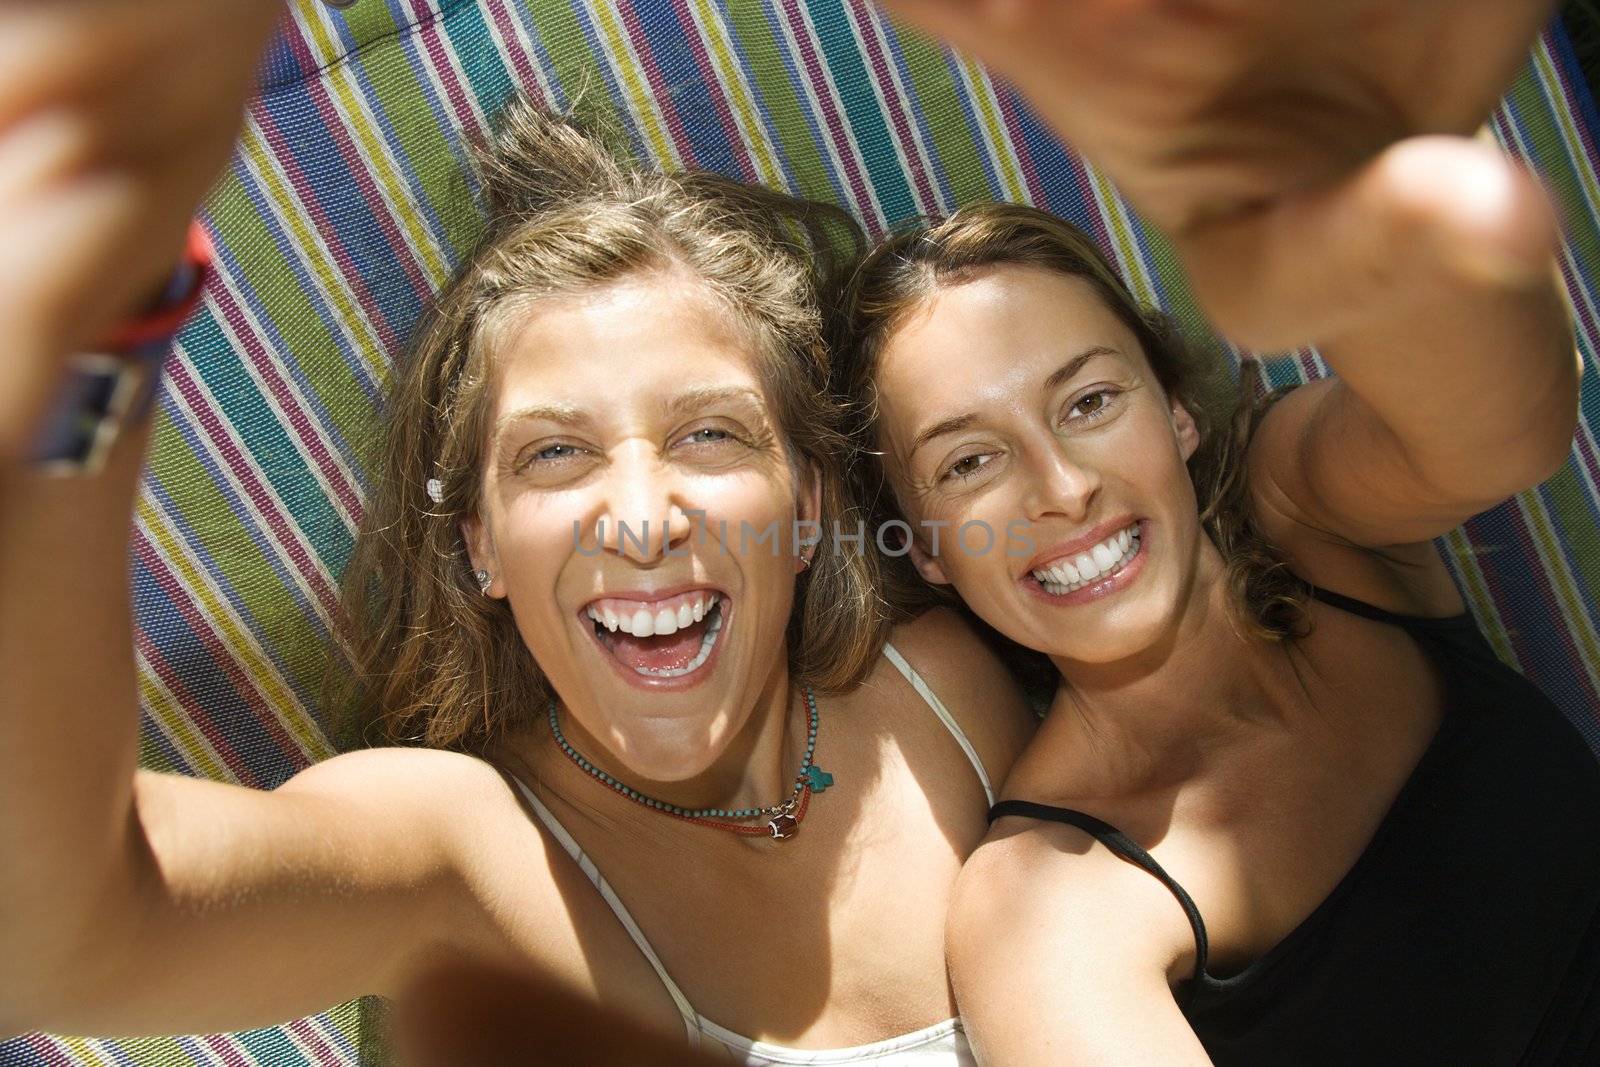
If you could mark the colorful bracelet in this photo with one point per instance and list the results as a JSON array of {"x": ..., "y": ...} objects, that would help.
[{"x": 104, "y": 390}]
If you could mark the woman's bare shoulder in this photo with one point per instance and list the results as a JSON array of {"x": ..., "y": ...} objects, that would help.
[{"x": 972, "y": 682}]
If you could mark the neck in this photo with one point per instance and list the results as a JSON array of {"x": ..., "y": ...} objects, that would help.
[
  {"x": 755, "y": 769},
  {"x": 1160, "y": 715}
]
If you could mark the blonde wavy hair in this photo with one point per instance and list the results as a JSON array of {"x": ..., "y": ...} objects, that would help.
[
  {"x": 431, "y": 660},
  {"x": 905, "y": 271}
]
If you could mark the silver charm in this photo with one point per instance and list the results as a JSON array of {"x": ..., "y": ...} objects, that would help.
[{"x": 484, "y": 580}]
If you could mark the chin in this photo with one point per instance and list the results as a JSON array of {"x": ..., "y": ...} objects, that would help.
[{"x": 669, "y": 749}]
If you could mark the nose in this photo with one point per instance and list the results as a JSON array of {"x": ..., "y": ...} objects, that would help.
[
  {"x": 1059, "y": 484},
  {"x": 645, "y": 517}
]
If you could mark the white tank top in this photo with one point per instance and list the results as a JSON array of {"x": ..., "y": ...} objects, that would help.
[{"x": 940, "y": 1045}]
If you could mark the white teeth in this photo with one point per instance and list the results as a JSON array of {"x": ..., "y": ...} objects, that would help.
[
  {"x": 1112, "y": 554},
  {"x": 644, "y": 621},
  {"x": 708, "y": 641}
]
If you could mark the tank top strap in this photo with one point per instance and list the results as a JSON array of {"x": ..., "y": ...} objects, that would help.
[
  {"x": 1372, "y": 611},
  {"x": 691, "y": 1019},
  {"x": 930, "y": 698},
  {"x": 1126, "y": 848}
]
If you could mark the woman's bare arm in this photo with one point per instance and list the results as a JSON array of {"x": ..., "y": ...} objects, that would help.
[
  {"x": 1457, "y": 376},
  {"x": 1062, "y": 953},
  {"x": 152, "y": 903}
]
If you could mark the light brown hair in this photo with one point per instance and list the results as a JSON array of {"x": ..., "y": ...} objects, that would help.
[
  {"x": 907, "y": 269},
  {"x": 432, "y": 660}
]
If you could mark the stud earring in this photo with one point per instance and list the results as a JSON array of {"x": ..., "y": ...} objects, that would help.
[{"x": 484, "y": 580}]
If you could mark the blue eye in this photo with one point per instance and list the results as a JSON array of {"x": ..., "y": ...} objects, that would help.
[
  {"x": 708, "y": 435},
  {"x": 554, "y": 452}
]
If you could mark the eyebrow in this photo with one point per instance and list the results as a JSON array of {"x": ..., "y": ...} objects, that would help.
[
  {"x": 692, "y": 400},
  {"x": 687, "y": 402},
  {"x": 1064, "y": 373},
  {"x": 565, "y": 414}
]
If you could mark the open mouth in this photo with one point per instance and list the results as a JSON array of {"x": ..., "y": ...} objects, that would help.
[
  {"x": 1093, "y": 566},
  {"x": 669, "y": 638}
]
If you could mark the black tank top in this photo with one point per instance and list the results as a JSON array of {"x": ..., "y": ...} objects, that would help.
[{"x": 1468, "y": 930}]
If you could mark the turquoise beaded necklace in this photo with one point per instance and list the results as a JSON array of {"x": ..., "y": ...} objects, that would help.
[{"x": 783, "y": 820}]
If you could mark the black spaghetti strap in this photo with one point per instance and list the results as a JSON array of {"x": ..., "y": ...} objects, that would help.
[
  {"x": 1372, "y": 611},
  {"x": 1125, "y": 847}
]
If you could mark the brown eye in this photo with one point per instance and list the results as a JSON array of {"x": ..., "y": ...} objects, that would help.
[
  {"x": 967, "y": 466},
  {"x": 1090, "y": 404}
]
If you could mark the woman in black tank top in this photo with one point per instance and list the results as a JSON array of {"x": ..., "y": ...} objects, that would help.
[{"x": 1263, "y": 822}]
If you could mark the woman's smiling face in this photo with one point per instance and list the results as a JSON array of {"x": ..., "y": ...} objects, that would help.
[
  {"x": 1017, "y": 399},
  {"x": 640, "y": 404}
]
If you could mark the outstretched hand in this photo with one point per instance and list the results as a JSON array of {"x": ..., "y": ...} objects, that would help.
[
  {"x": 1267, "y": 138},
  {"x": 115, "y": 118}
]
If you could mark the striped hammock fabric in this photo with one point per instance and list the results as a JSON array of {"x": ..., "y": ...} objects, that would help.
[{"x": 347, "y": 206}]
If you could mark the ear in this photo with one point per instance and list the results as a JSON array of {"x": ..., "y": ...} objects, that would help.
[
  {"x": 808, "y": 506},
  {"x": 1183, "y": 425},
  {"x": 929, "y": 567},
  {"x": 481, "y": 552}
]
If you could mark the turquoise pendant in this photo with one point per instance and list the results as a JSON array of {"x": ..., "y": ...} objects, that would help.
[{"x": 818, "y": 779}]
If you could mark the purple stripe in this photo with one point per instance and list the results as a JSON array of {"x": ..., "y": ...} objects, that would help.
[
  {"x": 433, "y": 43},
  {"x": 894, "y": 107},
  {"x": 193, "y": 710},
  {"x": 835, "y": 123},
  {"x": 325, "y": 229},
  {"x": 219, "y": 650},
  {"x": 355, "y": 161},
  {"x": 48, "y": 1050},
  {"x": 178, "y": 376},
  {"x": 319, "y": 1048},
  {"x": 527, "y": 76},
  {"x": 227, "y": 1048},
  {"x": 715, "y": 91},
  {"x": 660, "y": 92},
  {"x": 1019, "y": 144},
  {"x": 271, "y": 373}
]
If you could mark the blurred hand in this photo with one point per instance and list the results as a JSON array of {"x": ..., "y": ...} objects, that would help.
[
  {"x": 1251, "y": 128},
  {"x": 115, "y": 118}
]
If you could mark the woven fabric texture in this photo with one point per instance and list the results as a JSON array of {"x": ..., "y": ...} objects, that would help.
[{"x": 347, "y": 205}]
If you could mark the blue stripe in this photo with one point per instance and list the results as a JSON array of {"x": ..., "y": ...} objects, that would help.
[
  {"x": 847, "y": 71},
  {"x": 938, "y": 171},
  {"x": 265, "y": 440},
  {"x": 204, "y": 681},
  {"x": 284, "y": 359},
  {"x": 325, "y": 169},
  {"x": 266, "y": 645},
  {"x": 172, "y": 411},
  {"x": 802, "y": 91},
  {"x": 690, "y": 94}
]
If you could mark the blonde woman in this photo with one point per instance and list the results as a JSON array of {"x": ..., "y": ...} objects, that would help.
[{"x": 667, "y": 752}]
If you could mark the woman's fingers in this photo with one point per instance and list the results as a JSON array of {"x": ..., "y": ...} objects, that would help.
[{"x": 1425, "y": 213}]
